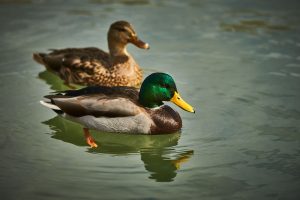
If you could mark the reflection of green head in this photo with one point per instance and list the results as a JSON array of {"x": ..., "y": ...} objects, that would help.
[{"x": 156, "y": 88}]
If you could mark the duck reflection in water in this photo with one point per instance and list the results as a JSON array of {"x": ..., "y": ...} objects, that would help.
[
  {"x": 155, "y": 150},
  {"x": 54, "y": 82}
]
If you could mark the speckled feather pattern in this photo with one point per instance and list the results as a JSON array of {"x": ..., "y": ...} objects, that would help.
[{"x": 92, "y": 66}]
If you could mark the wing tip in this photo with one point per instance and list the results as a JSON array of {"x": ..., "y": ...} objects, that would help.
[
  {"x": 39, "y": 57},
  {"x": 49, "y": 105}
]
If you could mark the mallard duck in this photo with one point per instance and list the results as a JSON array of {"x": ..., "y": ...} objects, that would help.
[
  {"x": 93, "y": 66},
  {"x": 122, "y": 109}
]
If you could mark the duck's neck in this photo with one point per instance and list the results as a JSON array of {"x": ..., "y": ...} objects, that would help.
[
  {"x": 149, "y": 96},
  {"x": 117, "y": 49}
]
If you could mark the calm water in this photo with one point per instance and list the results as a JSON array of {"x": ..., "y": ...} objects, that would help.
[{"x": 237, "y": 63}]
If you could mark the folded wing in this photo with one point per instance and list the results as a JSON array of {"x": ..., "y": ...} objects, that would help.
[{"x": 97, "y": 105}]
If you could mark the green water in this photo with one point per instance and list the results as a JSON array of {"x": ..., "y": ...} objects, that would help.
[{"x": 236, "y": 62}]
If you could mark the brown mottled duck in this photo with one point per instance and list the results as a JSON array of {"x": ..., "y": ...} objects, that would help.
[{"x": 93, "y": 66}]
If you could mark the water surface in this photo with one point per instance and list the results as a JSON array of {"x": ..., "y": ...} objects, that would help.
[{"x": 236, "y": 62}]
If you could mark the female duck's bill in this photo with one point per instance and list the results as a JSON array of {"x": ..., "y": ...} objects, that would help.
[{"x": 139, "y": 43}]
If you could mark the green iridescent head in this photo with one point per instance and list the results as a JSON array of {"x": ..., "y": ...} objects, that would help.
[{"x": 159, "y": 87}]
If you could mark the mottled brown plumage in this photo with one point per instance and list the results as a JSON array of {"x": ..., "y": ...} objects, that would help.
[{"x": 92, "y": 66}]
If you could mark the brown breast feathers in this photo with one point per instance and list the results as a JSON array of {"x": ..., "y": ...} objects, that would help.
[{"x": 166, "y": 120}]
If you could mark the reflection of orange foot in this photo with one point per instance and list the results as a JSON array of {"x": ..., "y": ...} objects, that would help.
[
  {"x": 72, "y": 87},
  {"x": 182, "y": 159},
  {"x": 89, "y": 139}
]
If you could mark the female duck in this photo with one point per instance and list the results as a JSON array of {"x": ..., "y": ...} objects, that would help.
[
  {"x": 123, "y": 109},
  {"x": 92, "y": 66}
]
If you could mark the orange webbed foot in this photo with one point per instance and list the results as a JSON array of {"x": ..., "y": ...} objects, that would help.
[{"x": 89, "y": 139}]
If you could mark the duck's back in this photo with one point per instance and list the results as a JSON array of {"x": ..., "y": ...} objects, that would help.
[
  {"x": 74, "y": 65},
  {"x": 91, "y": 66},
  {"x": 129, "y": 93}
]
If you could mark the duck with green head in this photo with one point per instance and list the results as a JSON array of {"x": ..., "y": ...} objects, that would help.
[{"x": 123, "y": 109}]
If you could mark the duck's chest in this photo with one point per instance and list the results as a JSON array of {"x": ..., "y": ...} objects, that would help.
[
  {"x": 124, "y": 67},
  {"x": 126, "y": 73},
  {"x": 165, "y": 120},
  {"x": 120, "y": 72}
]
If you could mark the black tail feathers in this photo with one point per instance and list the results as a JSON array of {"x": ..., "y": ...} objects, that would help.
[{"x": 39, "y": 57}]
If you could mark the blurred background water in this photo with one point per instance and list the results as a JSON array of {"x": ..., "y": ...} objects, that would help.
[{"x": 236, "y": 62}]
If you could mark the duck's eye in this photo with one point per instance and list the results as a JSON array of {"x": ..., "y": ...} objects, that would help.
[
  {"x": 121, "y": 29},
  {"x": 165, "y": 86}
]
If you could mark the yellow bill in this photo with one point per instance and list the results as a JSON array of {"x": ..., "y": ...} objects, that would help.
[{"x": 181, "y": 103}]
